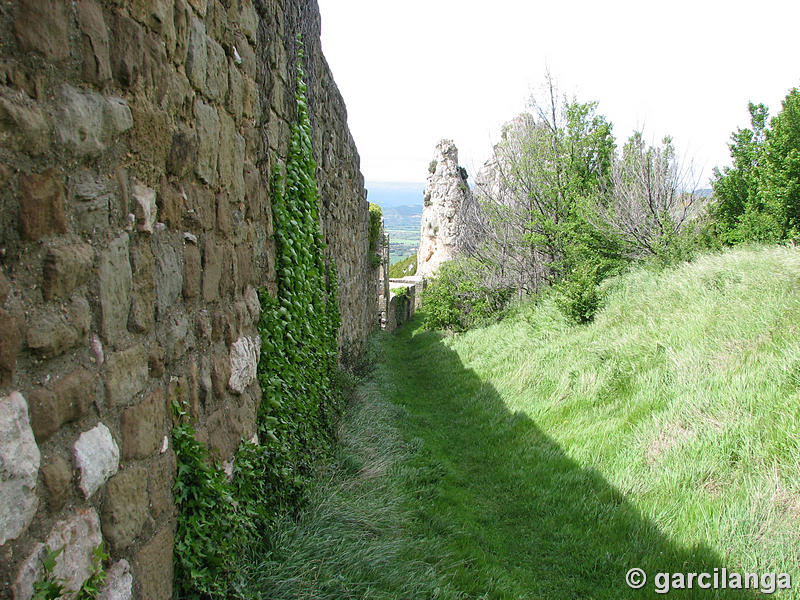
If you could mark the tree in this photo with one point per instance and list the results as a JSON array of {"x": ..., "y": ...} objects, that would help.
[
  {"x": 652, "y": 198},
  {"x": 779, "y": 191},
  {"x": 736, "y": 188},
  {"x": 548, "y": 163}
]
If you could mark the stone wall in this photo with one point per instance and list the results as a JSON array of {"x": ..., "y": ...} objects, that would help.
[{"x": 136, "y": 143}]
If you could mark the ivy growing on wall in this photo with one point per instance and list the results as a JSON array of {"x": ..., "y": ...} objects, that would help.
[{"x": 219, "y": 516}]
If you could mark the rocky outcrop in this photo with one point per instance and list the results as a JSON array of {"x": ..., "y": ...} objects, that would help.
[
  {"x": 137, "y": 141},
  {"x": 449, "y": 212}
]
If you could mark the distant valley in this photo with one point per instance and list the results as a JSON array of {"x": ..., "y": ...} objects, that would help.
[{"x": 401, "y": 204}]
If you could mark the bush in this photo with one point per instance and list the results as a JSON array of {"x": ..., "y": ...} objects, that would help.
[
  {"x": 578, "y": 295},
  {"x": 375, "y": 227},
  {"x": 460, "y": 297}
]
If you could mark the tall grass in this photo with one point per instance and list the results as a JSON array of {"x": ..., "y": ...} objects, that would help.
[{"x": 538, "y": 459}]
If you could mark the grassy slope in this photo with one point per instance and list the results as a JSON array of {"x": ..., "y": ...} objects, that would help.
[
  {"x": 682, "y": 397},
  {"x": 533, "y": 459}
]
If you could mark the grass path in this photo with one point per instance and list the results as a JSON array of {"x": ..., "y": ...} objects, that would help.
[
  {"x": 521, "y": 519},
  {"x": 537, "y": 460}
]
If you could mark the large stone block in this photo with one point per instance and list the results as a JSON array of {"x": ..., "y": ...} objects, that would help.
[
  {"x": 158, "y": 15},
  {"x": 216, "y": 84},
  {"x": 78, "y": 535},
  {"x": 57, "y": 475},
  {"x": 244, "y": 361},
  {"x": 208, "y": 142},
  {"x": 126, "y": 375},
  {"x": 94, "y": 201},
  {"x": 161, "y": 477},
  {"x": 68, "y": 400},
  {"x": 197, "y": 54},
  {"x": 153, "y": 566},
  {"x": 142, "y": 316},
  {"x": 52, "y": 331},
  {"x": 127, "y": 50},
  {"x": 234, "y": 99},
  {"x": 86, "y": 123},
  {"x": 19, "y": 468},
  {"x": 119, "y": 582},
  {"x": 25, "y": 126},
  {"x": 192, "y": 271},
  {"x": 125, "y": 507},
  {"x": 212, "y": 268},
  {"x": 169, "y": 275},
  {"x": 94, "y": 49},
  {"x": 115, "y": 283},
  {"x": 10, "y": 343},
  {"x": 97, "y": 458},
  {"x": 183, "y": 153},
  {"x": 65, "y": 268},
  {"x": 144, "y": 208},
  {"x": 41, "y": 205},
  {"x": 41, "y": 26},
  {"x": 143, "y": 426}
]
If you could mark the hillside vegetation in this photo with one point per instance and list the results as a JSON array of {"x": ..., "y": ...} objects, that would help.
[{"x": 536, "y": 458}]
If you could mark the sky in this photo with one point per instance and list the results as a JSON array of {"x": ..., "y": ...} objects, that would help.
[{"x": 416, "y": 71}]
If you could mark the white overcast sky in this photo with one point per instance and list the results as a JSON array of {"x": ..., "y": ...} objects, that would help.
[{"x": 416, "y": 71}]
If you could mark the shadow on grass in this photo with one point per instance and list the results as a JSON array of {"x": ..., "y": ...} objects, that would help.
[{"x": 522, "y": 519}]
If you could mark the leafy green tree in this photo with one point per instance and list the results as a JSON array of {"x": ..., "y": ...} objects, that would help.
[
  {"x": 780, "y": 175},
  {"x": 550, "y": 162},
  {"x": 736, "y": 188}
]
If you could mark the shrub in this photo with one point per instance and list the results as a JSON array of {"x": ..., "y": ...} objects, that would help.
[
  {"x": 578, "y": 295},
  {"x": 432, "y": 167},
  {"x": 460, "y": 297}
]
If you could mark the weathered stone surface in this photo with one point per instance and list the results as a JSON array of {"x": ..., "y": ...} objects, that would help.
[
  {"x": 142, "y": 316},
  {"x": 116, "y": 280},
  {"x": 216, "y": 85},
  {"x": 449, "y": 204},
  {"x": 86, "y": 122},
  {"x": 126, "y": 375},
  {"x": 5, "y": 288},
  {"x": 212, "y": 269},
  {"x": 25, "y": 125},
  {"x": 153, "y": 566},
  {"x": 177, "y": 336},
  {"x": 244, "y": 360},
  {"x": 69, "y": 400},
  {"x": 41, "y": 26},
  {"x": 79, "y": 535},
  {"x": 220, "y": 374},
  {"x": 94, "y": 49},
  {"x": 250, "y": 99},
  {"x": 142, "y": 427},
  {"x": 192, "y": 271},
  {"x": 57, "y": 474},
  {"x": 10, "y": 342},
  {"x": 97, "y": 458},
  {"x": 119, "y": 582},
  {"x": 158, "y": 16},
  {"x": 229, "y": 425},
  {"x": 169, "y": 275},
  {"x": 183, "y": 154},
  {"x": 197, "y": 54},
  {"x": 155, "y": 361},
  {"x": 161, "y": 477},
  {"x": 145, "y": 207},
  {"x": 41, "y": 210},
  {"x": 52, "y": 331},
  {"x": 65, "y": 268},
  {"x": 234, "y": 99},
  {"x": 127, "y": 54},
  {"x": 208, "y": 134},
  {"x": 125, "y": 507},
  {"x": 94, "y": 200},
  {"x": 19, "y": 467}
]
